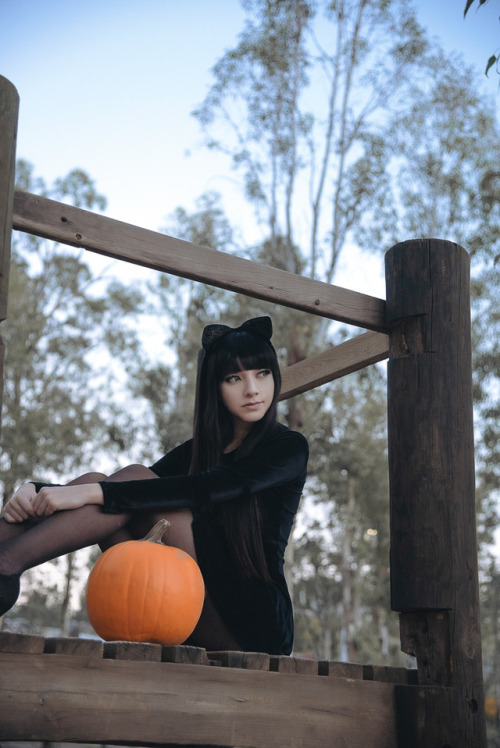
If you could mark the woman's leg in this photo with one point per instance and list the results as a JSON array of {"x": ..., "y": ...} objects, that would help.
[
  {"x": 31, "y": 543},
  {"x": 67, "y": 531},
  {"x": 211, "y": 631}
]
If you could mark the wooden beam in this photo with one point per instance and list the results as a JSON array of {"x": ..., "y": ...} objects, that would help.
[
  {"x": 354, "y": 354},
  {"x": 69, "y": 698},
  {"x": 434, "y": 565},
  {"x": 81, "y": 228},
  {"x": 9, "y": 107}
]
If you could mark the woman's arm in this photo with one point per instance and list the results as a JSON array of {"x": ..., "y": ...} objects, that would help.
[
  {"x": 276, "y": 461},
  {"x": 28, "y": 504}
]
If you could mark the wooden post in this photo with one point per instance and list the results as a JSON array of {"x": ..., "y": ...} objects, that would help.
[
  {"x": 434, "y": 576},
  {"x": 9, "y": 106}
]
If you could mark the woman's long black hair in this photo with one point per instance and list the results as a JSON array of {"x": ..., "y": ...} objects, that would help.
[{"x": 213, "y": 430}]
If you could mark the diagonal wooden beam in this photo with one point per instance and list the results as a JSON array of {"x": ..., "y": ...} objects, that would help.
[
  {"x": 81, "y": 228},
  {"x": 345, "y": 358}
]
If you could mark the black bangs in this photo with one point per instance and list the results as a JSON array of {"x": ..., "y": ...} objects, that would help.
[{"x": 241, "y": 350}]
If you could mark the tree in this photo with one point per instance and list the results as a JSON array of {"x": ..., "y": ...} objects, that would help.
[
  {"x": 342, "y": 560},
  {"x": 312, "y": 175},
  {"x": 325, "y": 166},
  {"x": 64, "y": 333},
  {"x": 67, "y": 339},
  {"x": 185, "y": 306},
  {"x": 493, "y": 59}
]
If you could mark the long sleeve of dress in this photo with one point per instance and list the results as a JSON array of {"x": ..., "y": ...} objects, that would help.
[{"x": 276, "y": 461}]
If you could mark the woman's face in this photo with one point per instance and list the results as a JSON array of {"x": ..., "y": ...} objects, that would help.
[{"x": 247, "y": 395}]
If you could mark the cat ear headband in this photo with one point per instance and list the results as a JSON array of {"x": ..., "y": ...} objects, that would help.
[{"x": 261, "y": 326}]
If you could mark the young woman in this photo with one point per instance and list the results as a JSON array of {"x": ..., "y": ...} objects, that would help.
[{"x": 230, "y": 494}]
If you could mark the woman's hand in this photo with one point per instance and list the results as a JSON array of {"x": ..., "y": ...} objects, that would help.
[
  {"x": 20, "y": 507},
  {"x": 27, "y": 504},
  {"x": 52, "y": 499}
]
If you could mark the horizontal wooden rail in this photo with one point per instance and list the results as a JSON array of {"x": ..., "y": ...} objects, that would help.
[
  {"x": 81, "y": 228},
  {"x": 74, "y": 690},
  {"x": 354, "y": 354}
]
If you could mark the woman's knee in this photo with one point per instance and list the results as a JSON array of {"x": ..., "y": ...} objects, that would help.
[
  {"x": 179, "y": 532},
  {"x": 92, "y": 477},
  {"x": 132, "y": 472}
]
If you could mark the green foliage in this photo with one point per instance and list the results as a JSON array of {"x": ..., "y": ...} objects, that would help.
[
  {"x": 326, "y": 163},
  {"x": 69, "y": 349},
  {"x": 341, "y": 553},
  {"x": 445, "y": 142},
  {"x": 64, "y": 332},
  {"x": 493, "y": 59}
]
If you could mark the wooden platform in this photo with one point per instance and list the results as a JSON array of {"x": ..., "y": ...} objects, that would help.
[{"x": 78, "y": 690}]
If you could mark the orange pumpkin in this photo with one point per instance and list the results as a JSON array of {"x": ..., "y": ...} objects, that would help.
[{"x": 144, "y": 591}]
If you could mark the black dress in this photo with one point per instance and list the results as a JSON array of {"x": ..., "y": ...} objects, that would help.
[{"x": 258, "y": 614}]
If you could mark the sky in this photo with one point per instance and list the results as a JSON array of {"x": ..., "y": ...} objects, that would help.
[{"x": 109, "y": 86}]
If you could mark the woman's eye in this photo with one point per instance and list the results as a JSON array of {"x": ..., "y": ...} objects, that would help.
[
  {"x": 264, "y": 372},
  {"x": 232, "y": 378}
]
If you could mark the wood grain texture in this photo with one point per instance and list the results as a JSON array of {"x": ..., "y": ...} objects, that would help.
[
  {"x": 74, "y": 646},
  {"x": 22, "y": 643},
  {"x": 244, "y": 660},
  {"x": 434, "y": 563},
  {"x": 78, "y": 699},
  {"x": 354, "y": 354},
  {"x": 135, "y": 651},
  {"x": 9, "y": 107},
  {"x": 80, "y": 228},
  {"x": 185, "y": 654}
]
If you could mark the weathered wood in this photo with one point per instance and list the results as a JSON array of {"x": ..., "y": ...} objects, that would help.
[
  {"x": 74, "y": 646},
  {"x": 340, "y": 669},
  {"x": 298, "y": 665},
  {"x": 244, "y": 660},
  {"x": 185, "y": 654},
  {"x": 135, "y": 651},
  {"x": 350, "y": 356},
  {"x": 80, "y": 228},
  {"x": 9, "y": 107},
  {"x": 431, "y": 462},
  {"x": 426, "y": 636},
  {"x": 425, "y": 718},
  {"x": 24, "y": 643},
  {"x": 386, "y": 674},
  {"x": 78, "y": 699}
]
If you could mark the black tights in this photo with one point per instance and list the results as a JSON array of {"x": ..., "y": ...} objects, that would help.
[{"x": 27, "y": 544}]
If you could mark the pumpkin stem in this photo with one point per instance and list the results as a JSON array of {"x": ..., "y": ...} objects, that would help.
[{"x": 156, "y": 533}]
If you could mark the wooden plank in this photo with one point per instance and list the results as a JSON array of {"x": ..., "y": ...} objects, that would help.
[
  {"x": 352, "y": 355},
  {"x": 388, "y": 674},
  {"x": 74, "y": 646},
  {"x": 9, "y": 107},
  {"x": 72, "y": 699},
  {"x": 297, "y": 665},
  {"x": 184, "y": 653},
  {"x": 244, "y": 660},
  {"x": 80, "y": 228},
  {"x": 27, "y": 643},
  {"x": 340, "y": 669},
  {"x": 135, "y": 651}
]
